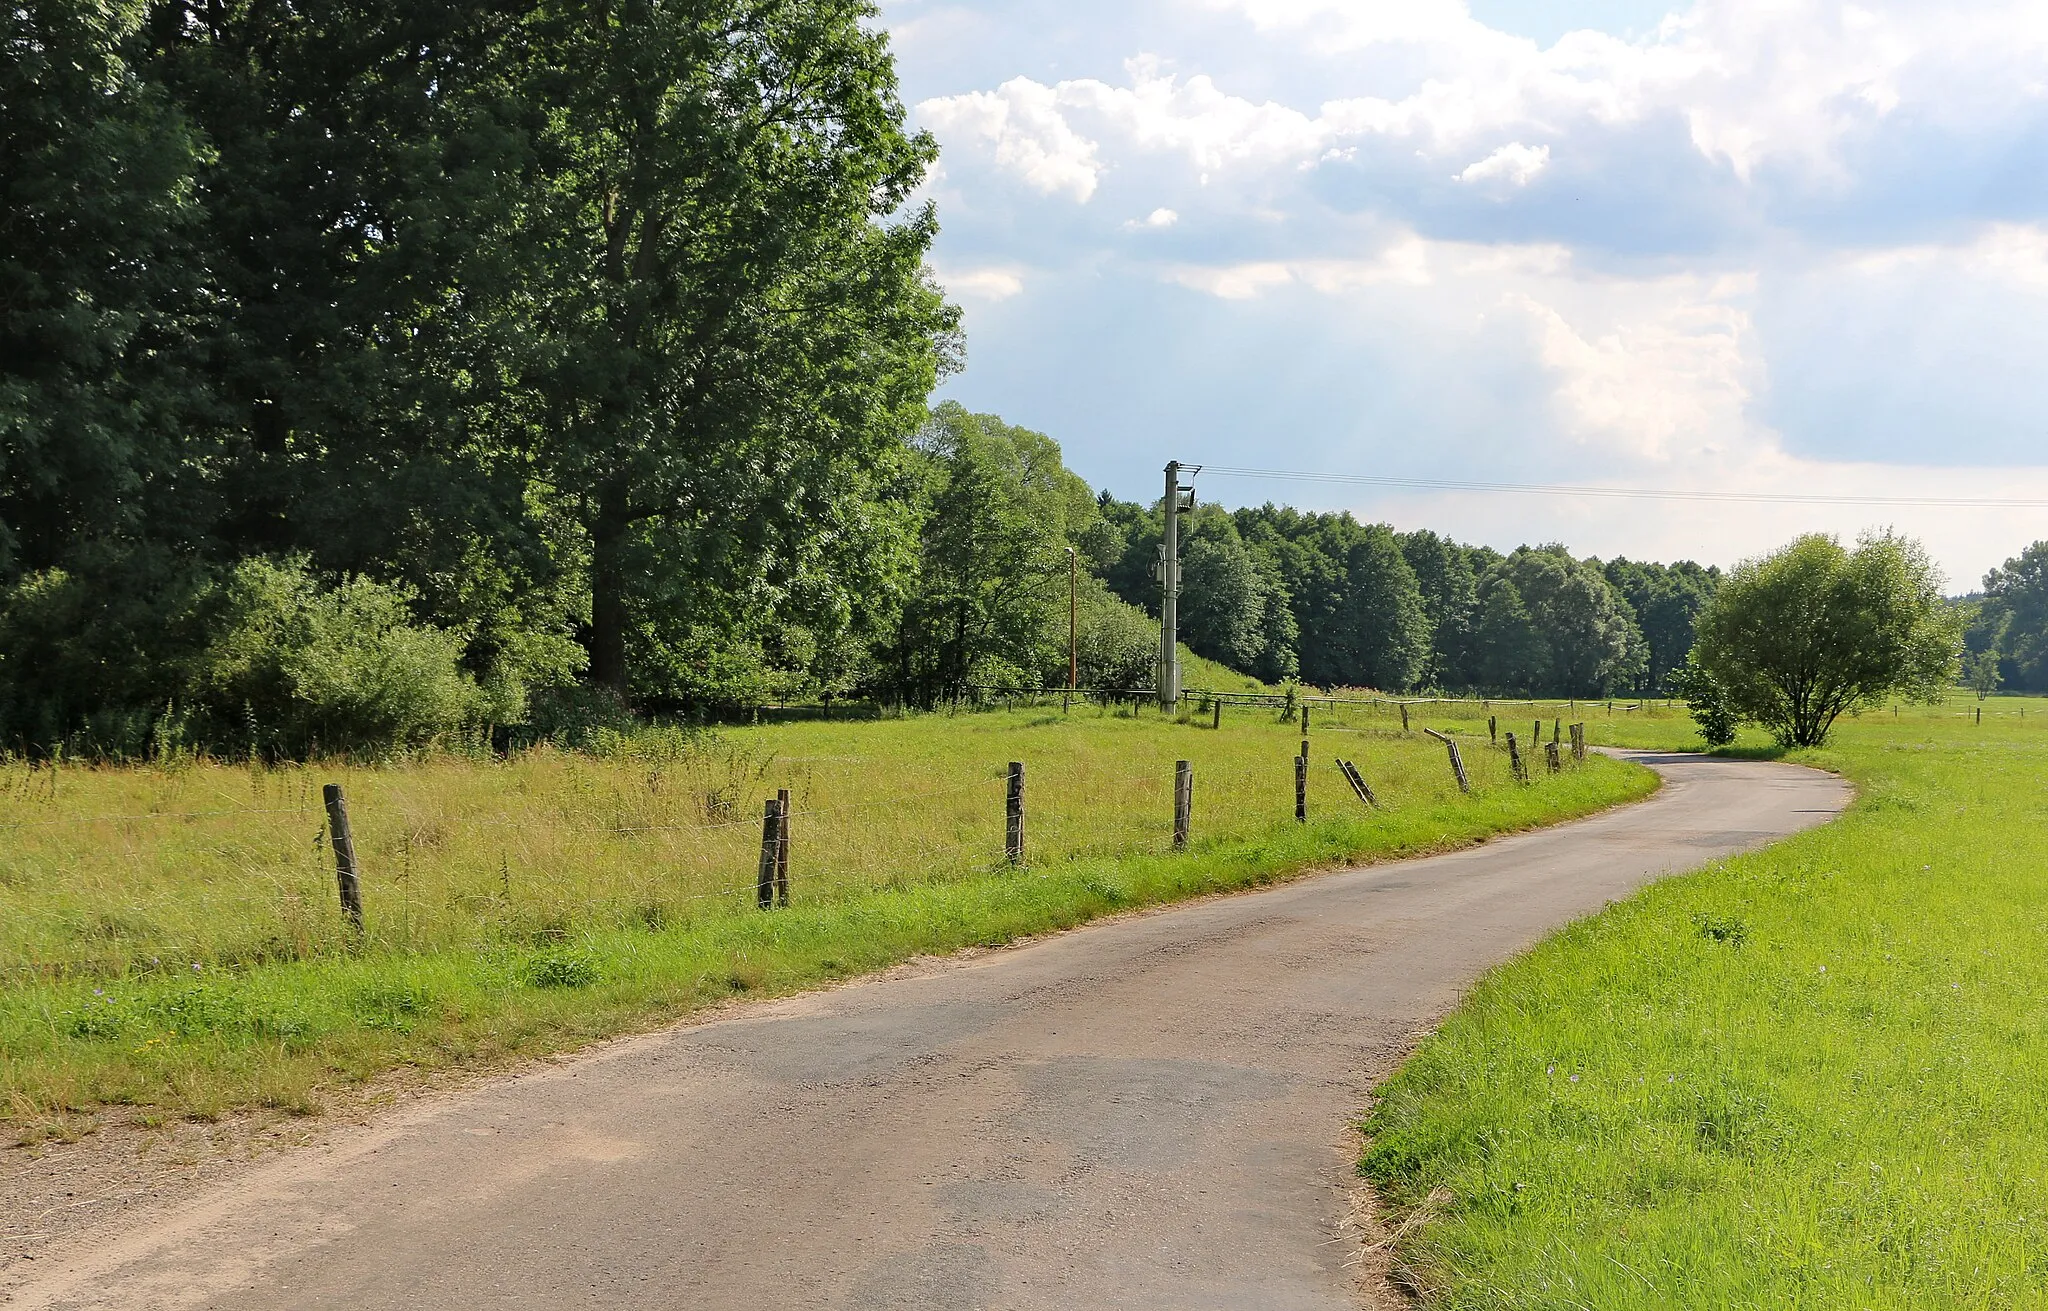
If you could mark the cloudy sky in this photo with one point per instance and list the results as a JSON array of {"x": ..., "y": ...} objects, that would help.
[{"x": 1754, "y": 246}]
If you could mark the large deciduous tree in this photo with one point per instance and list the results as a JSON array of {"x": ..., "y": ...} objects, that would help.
[
  {"x": 1590, "y": 638},
  {"x": 1666, "y": 600},
  {"x": 99, "y": 284},
  {"x": 988, "y": 605},
  {"x": 1798, "y": 637},
  {"x": 732, "y": 325},
  {"x": 2013, "y": 618}
]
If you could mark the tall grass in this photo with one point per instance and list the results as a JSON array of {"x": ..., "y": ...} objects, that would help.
[
  {"x": 171, "y": 936},
  {"x": 1806, "y": 1077}
]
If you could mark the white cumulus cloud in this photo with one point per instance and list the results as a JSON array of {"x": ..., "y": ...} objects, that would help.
[
  {"x": 1022, "y": 120},
  {"x": 1514, "y": 161}
]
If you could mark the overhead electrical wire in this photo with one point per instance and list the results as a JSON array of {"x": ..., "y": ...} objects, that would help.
[{"x": 1630, "y": 493}]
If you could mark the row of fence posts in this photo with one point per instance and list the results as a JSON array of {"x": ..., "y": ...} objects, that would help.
[{"x": 771, "y": 883}]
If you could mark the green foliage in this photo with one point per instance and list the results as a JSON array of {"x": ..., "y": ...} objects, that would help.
[
  {"x": 99, "y": 284},
  {"x": 2012, "y": 619},
  {"x": 561, "y": 969},
  {"x": 1718, "y": 723},
  {"x": 597, "y": 324},
  {"x": 1450, "y": 600},
  {"x": 1356, "y": 601},
  {"x": 989, "y": 606},
  {"x": 1981, "y": 673},
  {"x": 1510, "y": 653},
  {"x": 1799, "y": 637},
  {"x": 1118, "y": 643},
  {"x": 1234, "y": 608},
  {"x": 1590, "y": 640},
  {"x": 338, "y": 668},
  {"x": 1666, "y": 601},
  {"x": 265, "y": 657},
  {"x": 87, "y": 663}
]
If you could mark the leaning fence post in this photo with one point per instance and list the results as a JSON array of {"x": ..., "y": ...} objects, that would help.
[
  {"x": 1183, "y": 802},
  {"x": 1521, "y": 771},
  {"x": 347, "y": 874},
  {"x": 1358, "y": 783},
  {"x": 783, "y": 816},
  {"x": 1404, "y": 716},
  {"x": 771, "y": 846},
  {"x": 1013, "y": 815},
  {"x": 1457, "y": 761},
  {"x": 1301, "y": 789},
  {"x": 1552, "y": 757}
]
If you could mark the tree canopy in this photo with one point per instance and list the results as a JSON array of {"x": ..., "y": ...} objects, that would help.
[{"x": 1799, "y": 637}]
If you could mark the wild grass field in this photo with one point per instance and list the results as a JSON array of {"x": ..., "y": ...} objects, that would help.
[
  {"x": 170, "y": 937},
  {"x": 1807, "y": 1077}
]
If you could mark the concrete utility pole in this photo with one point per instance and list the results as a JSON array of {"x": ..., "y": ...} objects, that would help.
[{"x": 1169, "y": 588}]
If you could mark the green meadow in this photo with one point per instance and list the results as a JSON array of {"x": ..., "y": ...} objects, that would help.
[
  {"x": 1807, "y": 1077},
  {"x": 171, "y": 941}
]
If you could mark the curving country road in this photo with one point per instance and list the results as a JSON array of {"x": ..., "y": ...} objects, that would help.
[{"x": 1148, "y": 1113}]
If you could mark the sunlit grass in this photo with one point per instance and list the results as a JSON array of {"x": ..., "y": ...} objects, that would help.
[
  {"x": 1808, "y": 1077},
  {"x": 171, "y": 936}
]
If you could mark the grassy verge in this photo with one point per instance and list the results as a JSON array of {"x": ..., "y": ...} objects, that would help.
[
  {"x": 1808, "y": 1077},
  {"x": 169, "y": 940}
]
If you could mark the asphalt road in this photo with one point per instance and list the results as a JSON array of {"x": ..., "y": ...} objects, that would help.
[{"x": 1151, "y": 1112}]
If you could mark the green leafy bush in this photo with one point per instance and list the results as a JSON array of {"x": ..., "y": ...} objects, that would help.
[
  {"x": 1118, "y": 643},
  {"x": 340, "y": 668},
  {"x": 561, "y": 969},
  {"x": 1703, "y": 696}
]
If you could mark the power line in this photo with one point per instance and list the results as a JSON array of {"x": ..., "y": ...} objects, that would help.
[{"x": 1630, "y": 493}]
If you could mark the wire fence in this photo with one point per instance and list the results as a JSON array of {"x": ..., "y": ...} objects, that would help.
[{"x": 545, "y": 846}]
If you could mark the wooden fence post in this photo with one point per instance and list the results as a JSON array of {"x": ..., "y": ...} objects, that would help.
[
  {"x": 347, "y": 874},
  {"x": 1404, "y": 716},
  {"x": 1457, "y": 761},
  {"x": 1552, "y": 756},
  {"x": 1493, "y": 729},
  {"x": 771, "y": 845},
  {"x": 1521, "y": 771},
  {"x": 1183, "y": 802},
  {"x": 1358, "y": 783},
  {"x": 1304, "y": 718},
  {"x": 1013, "y": 815},
  {"x": 1579, "y": 743},
  {"x": 1216, "y": 714},
  {"x": 783, "y": 816},
  {"x": 1556, "y": 729},
  {"x": 1301, "y": 789}
]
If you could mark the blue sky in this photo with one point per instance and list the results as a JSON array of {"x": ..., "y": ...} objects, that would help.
[{"x": 1740, "y": 245}]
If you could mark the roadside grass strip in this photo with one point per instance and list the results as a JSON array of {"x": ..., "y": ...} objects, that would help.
[
  {"x": 1812, "y": 1076},
  {"x": 198, "y": 966}
]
